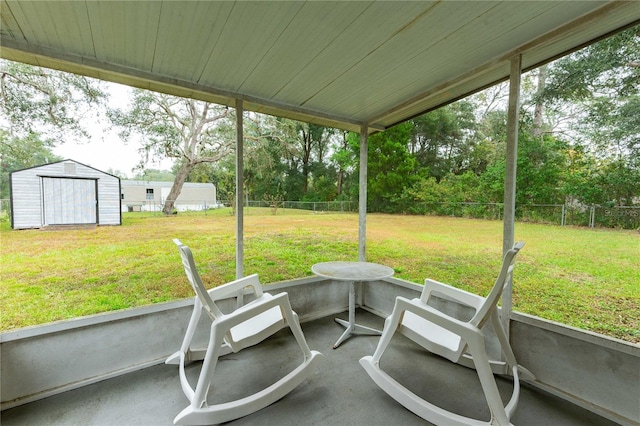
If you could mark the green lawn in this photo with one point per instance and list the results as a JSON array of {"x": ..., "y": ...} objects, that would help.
[{"x": 582, "y": 277}]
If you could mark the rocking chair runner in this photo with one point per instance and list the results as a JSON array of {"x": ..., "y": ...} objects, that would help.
[
  {"x": 246, "y": 326},
  {"x": 452, "y": 339}
]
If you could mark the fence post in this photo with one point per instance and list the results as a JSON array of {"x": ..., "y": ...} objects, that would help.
[
  {"x": 564, "y": 212},
  {"x": 592, "y": 217}
]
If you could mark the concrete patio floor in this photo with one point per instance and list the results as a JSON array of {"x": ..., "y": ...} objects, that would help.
[{"x": 339, "y": 393}]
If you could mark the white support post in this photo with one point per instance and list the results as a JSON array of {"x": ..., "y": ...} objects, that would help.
[
  {"x": 508, "y": 237},
  {"x": 239, "y": 190},
  {"x": 362, "y": 198}
]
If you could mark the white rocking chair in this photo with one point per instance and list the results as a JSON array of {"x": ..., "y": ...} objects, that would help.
[
  {"x": 245, "y": 326},
  {"x": 454, "y": 340}
]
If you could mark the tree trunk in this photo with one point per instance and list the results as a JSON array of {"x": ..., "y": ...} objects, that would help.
[
  {"x": 306, "y": 155},
  {"x": 345, "y": 146},
  {"x": 181, "y": 177},
  {"x": 539, "y": 109}
]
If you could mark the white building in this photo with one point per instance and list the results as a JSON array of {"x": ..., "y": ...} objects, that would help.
[
  {"x": 63, "y": 193},
  {"x": 142, "y": 195}
]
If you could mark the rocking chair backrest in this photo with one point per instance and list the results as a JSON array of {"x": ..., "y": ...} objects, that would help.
[
  {"x": 195, "y": 281},
  {"x": 504, "y": 279}
]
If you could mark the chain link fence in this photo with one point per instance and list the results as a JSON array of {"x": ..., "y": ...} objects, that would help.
[
  {"x": 315, "y": 206},
  {"x": 156, "y": 206},
  {"x": 622, "y": 217}
]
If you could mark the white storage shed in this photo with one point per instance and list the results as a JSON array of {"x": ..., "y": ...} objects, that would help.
[{"x": 64, "y": 193}]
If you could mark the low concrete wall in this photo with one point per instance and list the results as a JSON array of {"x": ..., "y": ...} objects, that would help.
[
  {"x": 598, "y": 373},
  {"x": 37, "y": 362}
]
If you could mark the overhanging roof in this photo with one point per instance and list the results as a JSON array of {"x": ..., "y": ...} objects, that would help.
[{"x": 340, "y": 64}]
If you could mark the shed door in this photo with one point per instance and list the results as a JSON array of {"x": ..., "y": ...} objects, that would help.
[{"x": 69, "y": 201}]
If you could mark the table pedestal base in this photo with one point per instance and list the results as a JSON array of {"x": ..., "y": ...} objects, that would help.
[
  {"x": 354, "y": 329},
  {"x": 351, "y": 326}
]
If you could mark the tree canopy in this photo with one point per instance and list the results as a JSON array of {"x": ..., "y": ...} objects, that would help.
[
  {"x": 48, "y": 102},
  {"x": 189, "y": 131},
  {"x": 39, "y": 109}
]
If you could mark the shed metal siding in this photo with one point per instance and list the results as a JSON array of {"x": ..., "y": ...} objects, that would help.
[
  {"x": 109, "y": 200},
  {"x": 27, "y": 197}
]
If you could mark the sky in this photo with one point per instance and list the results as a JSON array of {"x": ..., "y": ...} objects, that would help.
[{"x": 105, "y": 150}]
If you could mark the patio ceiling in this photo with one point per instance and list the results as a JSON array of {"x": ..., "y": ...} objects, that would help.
[{"x": 340, "y": 64}]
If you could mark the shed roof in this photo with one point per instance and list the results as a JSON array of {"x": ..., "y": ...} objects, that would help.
[
  {"x": 68, "y": 160},
  {"x": 341, "y": 64}
]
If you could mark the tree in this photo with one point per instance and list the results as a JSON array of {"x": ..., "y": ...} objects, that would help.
[
  {"x": 154, "y": 174},
  {"x": 461, "y": 188},
  {"x": 271, "y": 144},
  {"x": 610, "y": 67},
  {"x": 538, "y": 114},
  {"x": 344, "y": 161},
  {"x": 441, "y": 140},
  {"x": 604, "y": 79},
  {"x": 287, "y": 158},
  {"x": 18, "y": 153},
  {"x": 541, "y": 166},
  {"x": 47, "y": 102},
  {"x": 222, "y": 175},
  {"x": 391, "y": 167},
  {"x": 613, "y": 128},
  {"x": 542, "y": 163},
  {"x": 189, "y": 131},
  {"x": 490, "y": 141},
  {"x": 620, "y": 182},
  {"x": 426, "y": 190},
  {"x": 40, "y": 108},
  {"x": 313, "y": 139},
  {"x": 603, "y": 182}
]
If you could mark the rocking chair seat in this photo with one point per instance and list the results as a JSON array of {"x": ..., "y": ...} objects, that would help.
[
  {"x": 442, "y": 337},
  {"x": 253, "y": 328}
]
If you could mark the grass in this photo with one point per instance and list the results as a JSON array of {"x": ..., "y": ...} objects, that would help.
[{"x": 582, "y": 277}]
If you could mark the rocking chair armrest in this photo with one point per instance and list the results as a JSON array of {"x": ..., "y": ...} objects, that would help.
[
  {"x": 463, "y": 329},
  {"x": 455, "y": 294},
  {"x": 231, "y": 289}
]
